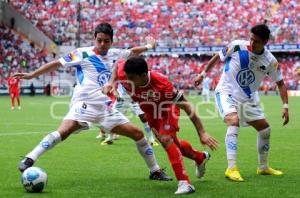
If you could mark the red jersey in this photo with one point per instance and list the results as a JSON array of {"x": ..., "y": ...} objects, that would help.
[
  {"x": 155, "y": 99},
  {"x": 13, "y": 84}
]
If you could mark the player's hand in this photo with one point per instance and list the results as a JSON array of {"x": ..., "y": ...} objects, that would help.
[
  {"x": 209, "y": 141},
  {"x": 151, "y": 41},
  {"x": 26, "y": 76},
  {"x": 108, "y": 88},
  {"x": 285, "y": 116},
  {"x": 198, "y": 80}
]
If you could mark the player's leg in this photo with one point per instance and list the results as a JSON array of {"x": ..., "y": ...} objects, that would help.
[
  {"x": 18, "y": 101},
  {"x": 263, "y": 146},
  {"x": 176, "y": 161},
  {"x": 199, "y": 157},
  {"x": 228, "y": 111},
  {"x": 12, "y": 99},
  {"x": 101, "y": 134},
  {"x": 129, "y": 130},
  {"x": 66, "y": 128}
]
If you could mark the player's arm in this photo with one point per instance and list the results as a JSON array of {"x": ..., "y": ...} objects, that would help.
[
  {"x": 276, "y": 76},
  {"x": 48, "y": 67},
  {"x": 110, "y": 87},
  {"x": 211, "y": 63},
  {"x": 284, "y": 98},
  {"x": 205, "y": 138},
  {"x": 150, "y": 44}
]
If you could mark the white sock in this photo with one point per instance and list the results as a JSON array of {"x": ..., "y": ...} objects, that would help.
[
  {"x": 263, "y": 146},
  {"x": 47, "y": 142},
  {"x": 231, "y": 142},
  {"x": 148, "y": 132},
  {"x": 147, "y": 153}
]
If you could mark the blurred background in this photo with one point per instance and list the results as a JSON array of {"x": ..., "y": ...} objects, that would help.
[{"x": 34, "y": 32}]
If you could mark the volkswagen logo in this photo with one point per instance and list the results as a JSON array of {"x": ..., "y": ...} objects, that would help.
[{"x": 245, "y": 77}]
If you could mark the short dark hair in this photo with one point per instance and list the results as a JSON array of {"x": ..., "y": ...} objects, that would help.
[
  {"x": 262, "y": 31},
  {"x": 136, "y": 65},
  {"x": 105, "y": 28}
]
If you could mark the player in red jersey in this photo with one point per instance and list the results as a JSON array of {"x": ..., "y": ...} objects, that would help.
[
  {"x": 14, "y": 90},
  {"x": 161, "y": 103}
]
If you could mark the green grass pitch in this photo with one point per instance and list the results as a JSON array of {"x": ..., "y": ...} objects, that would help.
[{"x": 81, "y": 167}]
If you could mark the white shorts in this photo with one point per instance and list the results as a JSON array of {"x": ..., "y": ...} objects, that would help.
[
  {"x": 98, "y": 114},
  {"x": 123, "y": 104},
  {"x": 247, "y": 112}
]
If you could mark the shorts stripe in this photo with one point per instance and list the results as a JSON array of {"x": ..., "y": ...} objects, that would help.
[{"x": 219, "y": 102}]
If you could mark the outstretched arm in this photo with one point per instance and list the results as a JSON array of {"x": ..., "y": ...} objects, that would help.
[
  {"x": 48, "y": 67},
  {"x": 205, "y": 138},
  {"x": 150, "y": 44},
  {"x": 211, "y": 63},
  {"x": 284, "y": 99}
]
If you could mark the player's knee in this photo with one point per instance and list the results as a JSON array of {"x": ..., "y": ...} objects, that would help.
[
  {"x": 232, "y": 119},
  {"x": 165, "y": 140},
  {"x": 265, "y": 133}
]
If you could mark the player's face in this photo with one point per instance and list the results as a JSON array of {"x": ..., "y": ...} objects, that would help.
[
  {"x": 257, "y": 44},
  {"x": 137, "y": 80},
  {"x": 103, "y": 43}
]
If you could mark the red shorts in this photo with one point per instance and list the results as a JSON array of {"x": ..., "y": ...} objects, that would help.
[
  {"x": 14, "y": 94},
  {"x": 168, "y": 123}
]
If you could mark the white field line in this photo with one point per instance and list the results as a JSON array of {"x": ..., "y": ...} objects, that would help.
[{"x": 20, "y": 133}]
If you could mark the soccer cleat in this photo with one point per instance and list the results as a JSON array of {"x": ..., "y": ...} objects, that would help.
[
  {"x": 25, "y": 163},
  {"x": 160, "y": 175},
  {"x": 269, "y": 171},
  {"x": 101, "y": 136},
  {"x": 233, "y": 174},
  {"x": 19, "y": 107},
  {"x": 107, "y": 141},
  {"x": 154, "y": 143},
  {"x": 184, "y": 188},
  {"x": 12, "y": 108},
  {"x": 200, "y": 168}
]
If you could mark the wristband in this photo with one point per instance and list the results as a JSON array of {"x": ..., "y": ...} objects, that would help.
[
  {"x": 285, "y": 106},
  {"x": 149, "y": 46}
]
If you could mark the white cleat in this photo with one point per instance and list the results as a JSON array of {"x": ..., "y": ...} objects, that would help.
[
  {"x": 184, "y": 188},
  {"x": 12, "y": 108},
  {"x": 200, "y": 168},
  {"x": 19, "y": 107}
]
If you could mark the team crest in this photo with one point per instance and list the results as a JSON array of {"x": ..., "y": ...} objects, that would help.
[{"x": 245, "y": 77}]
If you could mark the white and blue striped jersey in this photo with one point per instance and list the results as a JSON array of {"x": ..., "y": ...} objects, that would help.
[
  {"x": 244, "y": 70},
  {"x": 92, "y": 72}
]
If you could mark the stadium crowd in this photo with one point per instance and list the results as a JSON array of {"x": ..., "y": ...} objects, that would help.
[
  {"x": 18, "y": 54},
  {"x": 172, "y": 23}
]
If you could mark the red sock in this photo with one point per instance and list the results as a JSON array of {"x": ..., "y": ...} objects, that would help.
[
  {"x": 176, "y": 161},
  {"x": 188, "y": 151}
]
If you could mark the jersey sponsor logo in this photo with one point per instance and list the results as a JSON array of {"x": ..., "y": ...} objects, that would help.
[
  {"x": 103, "y": 77},
  {"x": 245, "y": 77}
]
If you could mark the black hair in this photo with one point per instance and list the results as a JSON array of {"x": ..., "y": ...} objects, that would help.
[
  {"x": 262, "y": 31},
  {"x": 104, "y": 28},
  {"x": 136, "y": 65}
]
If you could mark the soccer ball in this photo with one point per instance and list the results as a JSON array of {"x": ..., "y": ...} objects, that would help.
[{"x": 34, "y": 179}]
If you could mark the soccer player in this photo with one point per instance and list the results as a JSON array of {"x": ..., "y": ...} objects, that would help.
[
  {"x": 14, "y": 91},
  {"x": 88, "y": 103},
  {"x": 246, "y": 64},
  {"x": 161, "y": 103},
  {"x": 206, "y": 89},
  {"x": 123, "y": 101}
]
